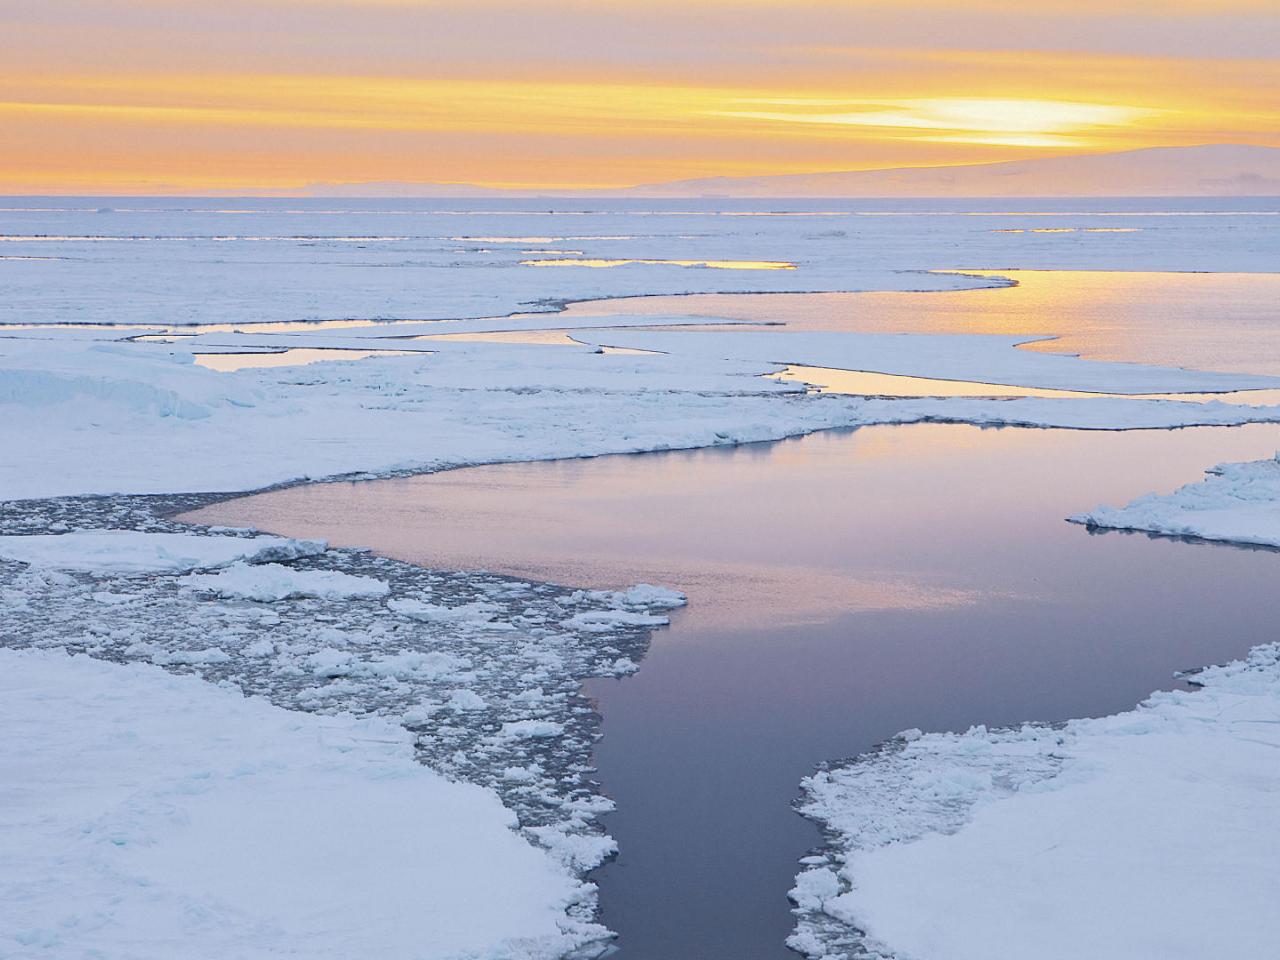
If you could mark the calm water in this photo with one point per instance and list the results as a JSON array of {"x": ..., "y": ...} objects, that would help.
[
  {"x": 843, "y": 587},
  {"x": 1213, "y": 321}
]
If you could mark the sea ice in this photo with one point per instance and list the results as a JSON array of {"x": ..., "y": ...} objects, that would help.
[
  {"x": 1236, "y": 502},
  {"x": 266, "y": 582},
  {"x": 1145, "y": 834},
  {"x": 984, "y": 358},
  {"x": 133, "y": 552},
  {"x": 486, "y": 675},
  {"x": 162, "y": 424},
  {"x": 156, "y": 816}
]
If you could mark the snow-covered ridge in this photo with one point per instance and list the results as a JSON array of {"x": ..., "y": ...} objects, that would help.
[
  {"x": 1236, "y": 503},
  {"x": 996, "y": 844}
]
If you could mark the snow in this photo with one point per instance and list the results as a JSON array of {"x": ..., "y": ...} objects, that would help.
[
  {"x": 988, "y": 842},
  {"x": 87, "y": 412},
  {"x": 603, "y": 621},
  {"x": 467, "y": 404},
  {"x": 476, "y": 613},
  {"x": 132, "y": 552},
  {"x": 273, "y": 581},
  {"x": 642, "y": 595},
  {"x": 1236, "y": 503},
  {"x": 151, "y": 816},
  {"x": 1149, "y": 833},
  {"x": 529, "y": 729},
  {"x": 454, "y": 658},
  {"x": 189, "y": 261}
]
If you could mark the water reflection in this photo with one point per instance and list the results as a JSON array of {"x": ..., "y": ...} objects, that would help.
[
  {"x": 842, "y": 587},
  {"x": 861, "y": 383},
  {"x": 1206, "y": 321},
  {"x": 557, "y": 337}
]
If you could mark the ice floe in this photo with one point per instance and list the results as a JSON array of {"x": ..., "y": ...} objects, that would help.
[
  {"x": 160, "y": 423},
  {"x": 273, "y": 581},
  {"x": 136, "y": 552},
  {"x": 986, "y": 358},
  {"x": 150, "y": 815},
  {"x": 1144, "y": 834},
  {"x": 1236, "y": 502}
]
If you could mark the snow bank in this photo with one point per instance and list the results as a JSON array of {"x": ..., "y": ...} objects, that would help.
[
  {"x": 156, "y": 816},
  {"x": 1236, "y": 502},
  {"x": 1146, "y": 834},
  {"x": 272, "y": 581},
  {"x": 129, "y": 551}
]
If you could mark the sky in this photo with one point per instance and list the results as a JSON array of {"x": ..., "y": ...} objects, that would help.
[{"x": 262, "y": 96}]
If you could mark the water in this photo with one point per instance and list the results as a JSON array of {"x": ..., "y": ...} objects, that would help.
[
  {"x": 1208, "y": 321},
  {"x": 842, "y": 587}
]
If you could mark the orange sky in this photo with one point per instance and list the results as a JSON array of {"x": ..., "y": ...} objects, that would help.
[{"x": 153, "y": 96}]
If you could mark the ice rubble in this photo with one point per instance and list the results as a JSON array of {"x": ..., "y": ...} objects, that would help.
[
  {"x": 273, "y": 581},
  {"x": 153, "y": 815},
  {"x": 484, "y": 671},
  {"x": 1236, "y": 502},
  {"x": 135, "y": 552},
  {"x": 1145, "y": 834}
]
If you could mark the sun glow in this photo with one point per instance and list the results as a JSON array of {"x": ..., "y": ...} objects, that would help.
[
  {"x": 274, "y": 95},
  {"x": 1026, "y": 123}
]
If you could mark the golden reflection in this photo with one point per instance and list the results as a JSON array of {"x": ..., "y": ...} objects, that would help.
[
  {"x": 862, "y": 383},
  {"x": 294, "y": 357},
  {"x": 1166, "y": 319},
  {"x": 555, "y": 337}
]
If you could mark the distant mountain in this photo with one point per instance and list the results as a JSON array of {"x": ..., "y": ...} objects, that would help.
[
  {"x": 1212, "y": 170},
  {"x": 1216, "y": 170}
]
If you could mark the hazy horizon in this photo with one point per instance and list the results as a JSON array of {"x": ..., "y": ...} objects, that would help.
[
  {"x": 135, "y": 96},
  {"x": 1207, "y": 168}
]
